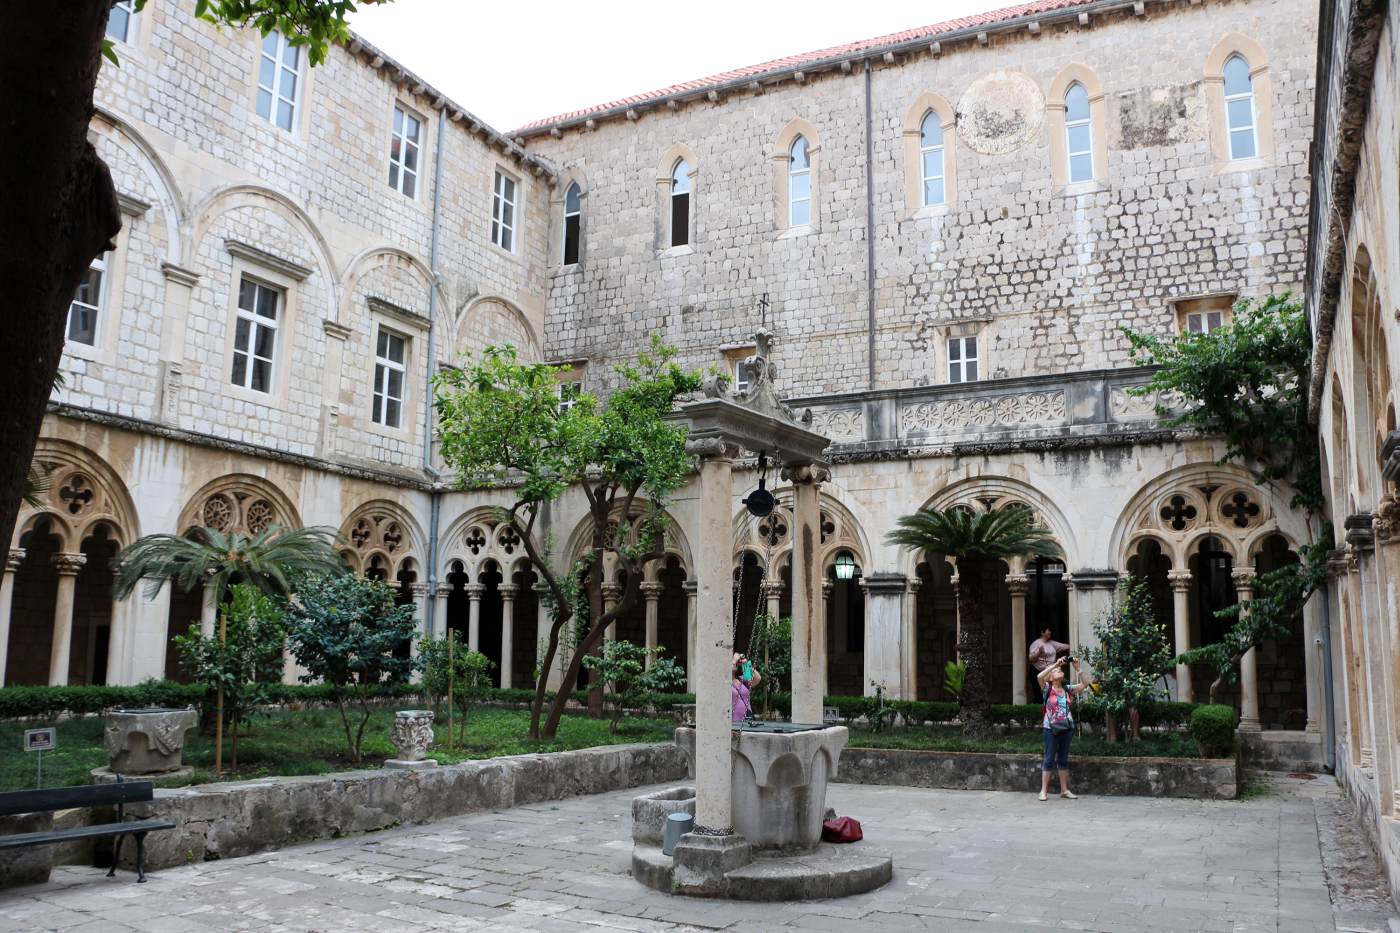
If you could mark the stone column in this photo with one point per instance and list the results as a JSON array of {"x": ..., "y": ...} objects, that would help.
[
  {"x": 1249, "y": 663},
  {"x": 1094, "y": 589},
  {"x": 909, "y": 673},
  {"x": 544, "y": 621},
  {"x": 474, "y": 594},
  {"x": 1371, "y": 621},
  {"x": 808, "y": 621},
  {"x": 508, "y": 594},
  {"x": 714, "y": 638},
  {"x": 611, "y": 593},
  {"x": 1385, "y": 558},
  {"x": 884, "y": 625},
  {"x": 1071, "y": 613},
  {"x": 147, "y": 622},
  {"x": 651, "y": 592},
  {"x": 690, "y": 588},
  {"x": 1362, "y": 721},
  {"x": 827, "y": 587},
  {"x": 7, "y": 598},
  {"x": 208, "y": 610},
  {"x": 773, "y": 594},
  {"x": 421, "y": 593},
  {"x": 67, "y": 566},
  {"x": 1181, "y": 627},
  {"x": 444, "y": 590},
  {"x": 1017, "y": 584}
]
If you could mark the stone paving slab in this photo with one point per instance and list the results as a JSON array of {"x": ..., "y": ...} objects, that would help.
[{"x": 964, "y": 860}]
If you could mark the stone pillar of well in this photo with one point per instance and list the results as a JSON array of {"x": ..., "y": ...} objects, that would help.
[
  {"x": 1180, "y": 581},
  {"x": 1249, "y": 662},
  {"x": 808, "y": 620},
  {"x": 508, "y": 593},
  {"x": 1016, "y": 585},
  {"x": 651, "y": 592},
  {"x": 68, "y": 566},
  {"x": 611, "y": 593},
  {"x": 13, "y": 559},
  {"x": 474, "y": 593},
  {"x": 884, "y": 630},
  {"x": 690, "y": 590}
]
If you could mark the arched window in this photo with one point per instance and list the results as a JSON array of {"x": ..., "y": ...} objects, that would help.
[
  {"x": 680, "y": 203},
  {"x": 1079, "y": 134},
  {"x": 573, "y": 212},
  {"x": 1239, "y": 108},
  {"x": 931, "y": 158},
  {"x": 799, "y": 184}
]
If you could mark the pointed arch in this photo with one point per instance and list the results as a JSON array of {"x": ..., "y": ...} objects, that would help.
[
  {"x": 1231, "y": 45},
  {"x": 926, "y": 105},
  {"x": 83, "y": 492},
  {"x": 782, "y": 158},
  {"x": 1060, "y": 121},
  {"x": 383, "y": 527},
  {"x": 172, "y": 207},
  {"x": 478, "y": 539},
  {"x": 678, "y": 158},
  {"x": 239, "y": 502},
  {"x": 376, "y": 257},
  {"x": 493, "y": 320},
  {"x": 995, "y": 492}
]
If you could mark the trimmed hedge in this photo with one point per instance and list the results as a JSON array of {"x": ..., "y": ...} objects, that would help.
[{"x": 1213, "y": 728}]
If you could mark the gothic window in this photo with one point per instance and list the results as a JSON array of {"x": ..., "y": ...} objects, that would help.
[
  {"x": 962, "y": 359},
  {"x": 255, "y": 335},
  {"x": 279, "y": 80},
  {"x": 390, "y": 355},
  {"x": 404, "y": 145},
  {"x": 503, "y": 212},
  {"x": 1239, "y": 108},
  {"x": 573, "y": 216},
  {"x": 86, "y": 306},
  {"x": 1079, "y": 134},
  {"x": 121, "y": 21},
  {"x": 680, "y": 203},
  {"x": 799, "y": 184},
  {"x": 931, "y": 159}
]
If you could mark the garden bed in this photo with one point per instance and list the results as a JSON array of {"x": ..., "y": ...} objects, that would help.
[{"x": 313, "y": 742}]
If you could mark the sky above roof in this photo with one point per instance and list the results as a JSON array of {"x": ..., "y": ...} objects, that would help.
[{"x": 512, "y": 64}]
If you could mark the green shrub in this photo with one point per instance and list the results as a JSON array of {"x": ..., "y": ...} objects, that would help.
[
  {"x": 1213, "y": 728},
  {"x": 921, "y": 711},
  {"x": 1017, "y": 714}
]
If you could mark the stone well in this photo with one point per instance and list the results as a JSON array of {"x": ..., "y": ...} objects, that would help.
[{"x": 147, "y": 741}]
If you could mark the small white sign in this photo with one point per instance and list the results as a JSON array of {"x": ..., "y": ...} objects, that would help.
[{"x": 40, "y": 740}]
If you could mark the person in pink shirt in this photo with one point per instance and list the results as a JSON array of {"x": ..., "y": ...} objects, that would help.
[
  {"x": 740, "y": 707},
  {"x": 1044, "y": 651}
]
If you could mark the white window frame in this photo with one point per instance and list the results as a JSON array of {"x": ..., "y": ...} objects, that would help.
[
  {"x": 398, "y": 167},
  {"x": 255, "y": 322},
  {"x": 129, "y": 36},
  {"x": 741, "y": 382},
  {"x": 100, "y": 266},
  {"x": 1088, "y": 123},
  {"x": 924, "y": 152},
  {"x": 957, "y": 368},
  {"x": 384, "y": 366},
  {"x": 1203, "y": 322},
  {"x": 1253, "y": 126},
  {"x": 503, "y": 233},
  {"x": 274, "y": 92},
  {"x": 577, "y": 216},
  {"x": 568, "y": 399},
  {"x": 680, "y": 176},
  {"x": 793, "y": 175}
]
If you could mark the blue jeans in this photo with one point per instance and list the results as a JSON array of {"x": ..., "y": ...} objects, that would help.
[{"x": 1056, "y": 750}]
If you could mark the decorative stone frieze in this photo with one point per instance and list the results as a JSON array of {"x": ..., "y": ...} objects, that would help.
[{"x": 959, "y": 414}]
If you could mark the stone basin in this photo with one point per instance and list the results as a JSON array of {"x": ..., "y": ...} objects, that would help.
[
  {"x": 147, "y": 741},
  {"x": 779, "y": 773}
]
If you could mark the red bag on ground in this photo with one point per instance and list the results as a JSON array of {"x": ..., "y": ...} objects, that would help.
[{"x": 842, "y": 829}]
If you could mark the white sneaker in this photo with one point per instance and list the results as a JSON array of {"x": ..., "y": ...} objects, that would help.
[{"x": 1042, "y": 795}]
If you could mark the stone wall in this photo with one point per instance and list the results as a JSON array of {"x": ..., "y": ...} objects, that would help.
[
  {"x": 1205, "y": 778},
  {"x": 226, "y": 820}
]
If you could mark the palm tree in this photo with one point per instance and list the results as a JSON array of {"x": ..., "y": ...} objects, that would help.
[
  {"x": 269, "y": 561},
  {"x": 977, "y": 540}
]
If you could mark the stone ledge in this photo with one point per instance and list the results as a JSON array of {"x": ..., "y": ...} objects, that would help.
[
  {"x": 829, "y": 871},
  {"x": 1204, "y": 778},
  {"x": 1280, "y": 750},
  {"x": 240, "y": 818}
]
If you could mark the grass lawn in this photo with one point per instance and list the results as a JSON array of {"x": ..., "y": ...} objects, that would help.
[
  {"x": 1030, "y": 741},
  {"x": 312, "y": 742}
]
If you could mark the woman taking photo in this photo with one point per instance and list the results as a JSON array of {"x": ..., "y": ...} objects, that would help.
[
  {"x": 745, "y": 678},
  {"x": 1058, "y": 724}
]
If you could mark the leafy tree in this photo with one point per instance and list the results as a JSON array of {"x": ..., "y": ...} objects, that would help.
[
  {"x": 622, "y": 666},
  {"x": 1248, "y": 383},
  {"x": 451, "y": 668},
  {"x": 501, "y": 427},
  {"x": 770, "y": 648},
  {"x": 64, "y": 213},
  {"x": 978, "y": 541},
  {"x": 346, "y": 631},
  {"x": 243, "y": 663},
  {"x": 1133, "y": 650},
  {"x": 268, "y": 563}
]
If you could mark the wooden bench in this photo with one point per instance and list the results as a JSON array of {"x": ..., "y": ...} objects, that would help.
[{"x": 90, "y": 795}]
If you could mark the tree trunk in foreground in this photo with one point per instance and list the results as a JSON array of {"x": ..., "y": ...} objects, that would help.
[
  {"x": 61, "y": 210},
  {"x": 974, "y": 649}
]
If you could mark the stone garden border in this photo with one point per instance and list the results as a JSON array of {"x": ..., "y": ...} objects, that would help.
[{"x": 1203, "y": 778}]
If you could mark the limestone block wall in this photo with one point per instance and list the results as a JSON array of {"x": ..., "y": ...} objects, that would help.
[{"x": 1045, "y": 273}]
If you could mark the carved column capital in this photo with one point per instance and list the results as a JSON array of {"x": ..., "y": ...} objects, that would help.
[
  {"x": 475, "y": 591},
  {"x": 1244, "y": 582},
  {"x": 68, "y": 565},
  {"x": 804, "y": 474},
  {"x": 1180, "y": 580},
  {"x": 1385, "y": 520},
  {"x": 14, "y": 559},
  {"x": 1017, "y": 584},
  {"x": 509, "y": 590},
  {"x": 420, "y": 590},
  {"x": 612, "y": 590},
  {"x": 444, "y": 590},
  {"x": 652, "y": 589}
]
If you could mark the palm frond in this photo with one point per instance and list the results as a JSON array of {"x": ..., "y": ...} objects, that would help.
[
  {"x": 37, "y": 482},
  {"x": 961, "y": 532}
]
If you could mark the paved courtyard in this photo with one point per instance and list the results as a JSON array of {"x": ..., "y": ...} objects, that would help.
[{"x": 1288, "y": 860}]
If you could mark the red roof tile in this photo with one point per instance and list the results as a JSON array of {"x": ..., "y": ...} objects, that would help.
[{"x": 793, "y": 61}]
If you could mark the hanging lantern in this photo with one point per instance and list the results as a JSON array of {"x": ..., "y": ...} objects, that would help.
[
  {"x": 760, "y": 502},
  {"x": 845, "y": 566}
]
